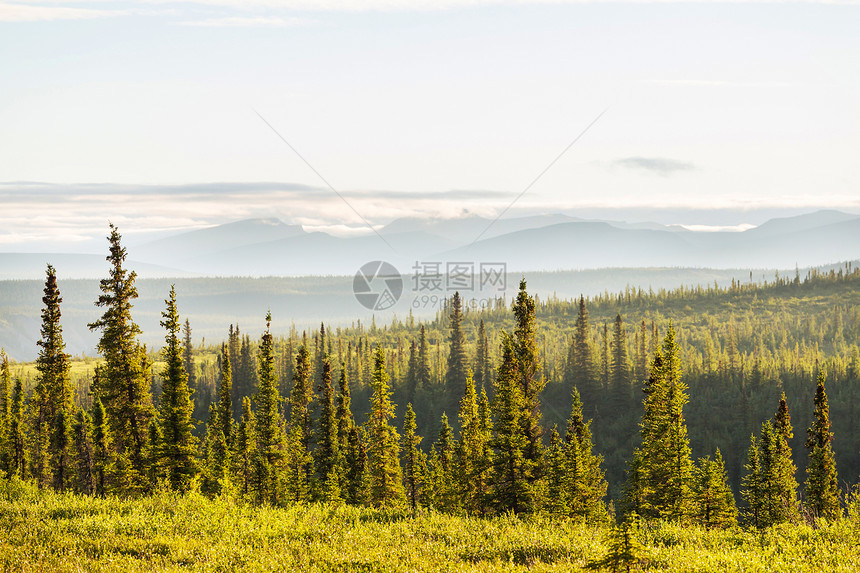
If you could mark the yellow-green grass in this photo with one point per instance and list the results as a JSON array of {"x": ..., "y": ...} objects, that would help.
[{"x": 47, "y": 531}]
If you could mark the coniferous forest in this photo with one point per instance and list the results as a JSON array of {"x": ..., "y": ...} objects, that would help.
[{"x": 697, "y": 429}]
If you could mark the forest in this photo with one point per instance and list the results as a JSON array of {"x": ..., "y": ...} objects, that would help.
[{"x": 605, "y": 432}]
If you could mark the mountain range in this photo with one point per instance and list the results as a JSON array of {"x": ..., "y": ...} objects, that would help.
[{"x": 270, "y": 247}]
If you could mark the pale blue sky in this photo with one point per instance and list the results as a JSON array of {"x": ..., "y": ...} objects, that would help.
[{"x": 733, "y": 105}]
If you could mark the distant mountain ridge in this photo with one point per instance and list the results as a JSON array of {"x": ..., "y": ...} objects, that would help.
[{"x": 270, "y": 247}]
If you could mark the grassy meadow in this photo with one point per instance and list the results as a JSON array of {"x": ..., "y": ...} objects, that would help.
[{"x": 50, "y": 531}]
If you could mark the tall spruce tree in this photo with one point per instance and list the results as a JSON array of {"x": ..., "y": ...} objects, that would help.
[
  {"x": 269, "y": 453},
  {"x": 53, "y": 397},
  {"x": 224, "y": 395},
  {"x": 414, "y": 461},
  {"x": 327, "y": 456},
  {"x": 822, "y": 486},
  {"x": 472, "y": 453},
  {"x": 620, "y": 379},
  {"x": 386, "y": 480},
  {"x": 482, "y": 357},
  {"x": 5, "y": 411},
  {"x": 512, "y": 474},
  {"x": 298, "y": 457},
  {"x": 530, "y": 380},
  {"x": 123, "y": 383},
  {"x": 455, "y": 378},
  {"x": 178, "y": 445},
  {"x": 443, "y": 488},
  {"x": 751, "y": 486},
  {"x": 586, "y": 484},
  {"x": 580, "y": 362},
  {"x": 188, "y": 357},
  {"x": 661, "y": 472}
]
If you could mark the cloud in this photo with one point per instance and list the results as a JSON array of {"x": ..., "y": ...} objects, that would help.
[
  {"x": 243, "y": 22},
  {"x": 659, "y": 165},
  {"x": 15, "y": 12}
]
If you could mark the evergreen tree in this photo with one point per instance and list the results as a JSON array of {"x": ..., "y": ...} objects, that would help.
[
  {"x": 778, "y": 469},
  {"x": 620, "y": 379},
  {"x": 269, "y": 433},
  {"x": 455, "y": 379},
  {"x": 715, "y": 504},
  {"x": 83, "y": 448},
  {"x": 660, "y": 476},
  {"x": 177, "y": 444},
  {"x": 299, "y": 460},
  {"x": 188, "y": 357},
  {"x": 104, "y": 458},
  {"x": 123, "y": 382},
  {"x": 357, "y": 474},
  {"x": 511, "y": 476},
  {"x": 423, "y": 369},
  {"x": 482, "y": 357},
  {"x": 53, "y": 399},
  {"x": 386, "y": 480},
  {"x": 244, "y": 445},
  {"x": 441, "y": 469},
  {"x": 556, "y": 477},
  {"x": 414, "y": 461},
  {"x": 580, "y": 362},
  {"x": 822, "y": 487},
  {"x": 531, "y": 382},
  {"x": 216, "y": 455},
  {"x": 586, "y": 484},
  {"x": 751, "y": 491},
  {"x": 328, "y": 461},
  {"x": 16, "y": 435},
  {"x": 224, "y": 419},
  {"x": 473, "y": 464},
  {"x": 245, "y": 378},
  {"x": 5, "y": 412}
]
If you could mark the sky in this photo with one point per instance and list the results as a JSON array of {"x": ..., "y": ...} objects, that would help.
[{"x": 162, "y": 116}]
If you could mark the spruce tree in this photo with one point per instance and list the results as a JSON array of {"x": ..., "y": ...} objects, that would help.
[
  {"x": 16, "y": 436},
  {"x": 269, "y": 433},
  {"x": 455, "y": 379},
  {"x": 715, "y": 504},
  {"x": 472, "y": 459},
  {"x": 530, "y": 380},
  {"x": 83, "y": 453},
  {"x": 751, "y": 485},
  {"x": 441, "y": 469},
  {"x": 414, "y": 461},
  {"x": 661, "y": 472},
  {"x": 556, "y": 477},
  {"x": 298, "y": 457},
  {"x": 5, "y": 411},
  {"x": 244, "y": 447},
  {"x": 423, "y": 369},
  {"x": 482, "y": 357},
  {"x": 620, "y": 379},
  {"x": 177, "y": 444},
  {"x": 357, "y": 474},
  {"x": 225, "y": 395},
  {"x": 586, "y": 484},
  {"x": 512, "y": 474},
  {"x": 327, "y": 458},
  {"x": 580, "y": 363},
  {"x": 53, "y": 399},
  {"x": 216, "y": 455},
  {"x": 188, "y": 357},
  {"x": 123, "y": 383},
  {"x": 104, "y": 458},
  {"x": 386, "y": 480},
  {"x": 822, "y": 487}
]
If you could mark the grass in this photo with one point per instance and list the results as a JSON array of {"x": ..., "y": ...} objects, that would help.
[{"x": 48, "y": 531}]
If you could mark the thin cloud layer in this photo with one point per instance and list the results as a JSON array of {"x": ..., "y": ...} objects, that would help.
[{"x": 658, "y": 165}]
